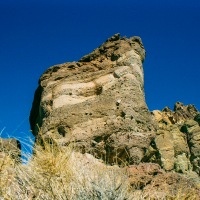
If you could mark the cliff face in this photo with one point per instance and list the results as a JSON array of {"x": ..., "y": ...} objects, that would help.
[
  {"x": 177, "y": 142},
  {"x": 97, "y": 103}
]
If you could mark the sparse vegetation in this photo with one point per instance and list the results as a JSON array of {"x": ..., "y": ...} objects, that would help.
[{"x": 61, "y": 173}]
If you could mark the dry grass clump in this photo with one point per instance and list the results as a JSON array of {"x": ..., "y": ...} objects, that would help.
[
  {"x": 60, "y": 173},
  {"x": 6, "y": 173},
  {"x": 7, "y": 165},
  {"x": 46, "y": 175}
]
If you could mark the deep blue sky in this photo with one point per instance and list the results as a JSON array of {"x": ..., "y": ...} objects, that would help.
[{"x": 35, "y": 35}]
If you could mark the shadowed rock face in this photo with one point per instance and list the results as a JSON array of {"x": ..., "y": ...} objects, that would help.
[
  {"x": 10, "y": 147},
  {"x": 97, "y": 103}
]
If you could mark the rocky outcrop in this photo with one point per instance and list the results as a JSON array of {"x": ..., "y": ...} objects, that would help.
[
  {"x": 179, "y": 114},
  {"x": 97, "y": 103},
  {"x": 10, "y": 148},
  {"x": 154, "y": 183},
  {"x": 192, "y": 129},
  {"x": 177, "y": 142}
]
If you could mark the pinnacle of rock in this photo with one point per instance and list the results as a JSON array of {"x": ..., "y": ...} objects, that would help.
[{"x": 98, "y": 102}]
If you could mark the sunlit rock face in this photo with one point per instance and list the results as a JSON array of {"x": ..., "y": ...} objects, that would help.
[
  {"x": 177, "y": 142},
  {"x": 97, "y": 103}
]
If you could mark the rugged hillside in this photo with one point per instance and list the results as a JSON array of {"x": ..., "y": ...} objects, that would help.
[
  {"x": 98, "y": 106},
  {"x": 98, "y": 103}
]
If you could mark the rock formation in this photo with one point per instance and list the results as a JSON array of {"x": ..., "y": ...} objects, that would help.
[
  {"x": 178, "y": 116},
  {"x": 97, "y": 103},
  {"x": 155, "y": 183},
  {"x": 177, "y": 142},
  {"x": 10, "y": 148}
]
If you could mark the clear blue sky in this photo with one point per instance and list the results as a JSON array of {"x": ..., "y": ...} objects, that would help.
[{"x": 35, "y": 35}]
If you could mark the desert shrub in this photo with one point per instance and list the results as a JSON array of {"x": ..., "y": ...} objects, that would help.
[{"x": 61, "y": 173}]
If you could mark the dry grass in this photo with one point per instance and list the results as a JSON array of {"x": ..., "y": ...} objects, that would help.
[{"x": 62, "y": 174}]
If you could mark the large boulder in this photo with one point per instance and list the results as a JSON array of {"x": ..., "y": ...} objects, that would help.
[{"x": 97, "y": 104}]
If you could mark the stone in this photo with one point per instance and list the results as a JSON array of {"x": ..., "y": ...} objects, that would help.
[
  {"x": 97, "y": 104},
  {"x": 197, "y": 118},
  {"x": 179, "y": 114},
  {"x": 171, "y": 186},
  {"x": 182, "y": 164},
  {"x": 174, "y": 146},
  {"x": 192, "y": 130},
  {"x": 10, "y": 147},
  {"x": 164, "y": 144},
  {"x": 150, "y": 181},
  {"x": 170, "y": 149},
  {"x": 141, "y": 175}
]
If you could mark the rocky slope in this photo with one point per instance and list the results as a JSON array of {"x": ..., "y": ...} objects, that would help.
[{"x": 97, "y": 103}]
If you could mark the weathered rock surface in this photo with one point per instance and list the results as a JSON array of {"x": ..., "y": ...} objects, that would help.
[
  {"x": 97, "y": 103},
  {"x": 154, "y": 183},
  {"x": 177, "y": 142},
  {"x": 192, "y": 129},
  {"x": 10, "y": 148},
  {"x": 146, "y": 179},
  {"x": 178, "y": 116}
]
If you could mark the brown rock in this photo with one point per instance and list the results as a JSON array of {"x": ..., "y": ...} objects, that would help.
[
  {"x": 170, "y": 150},
  {"x": 151, "y": 182},
  {"x": 97, "y": 103},
  {"x": 197, "y": 118},
  {"x": 192, "y": 129},
  {"x": 141, "y": 175},
  {"x": 165, "y": 147},
  {"x": 180, "y": 114},
  {"x": 10, "y": 147},
  {"x": 171, "y": 147},
  {"x": 171, "y": 186}
]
